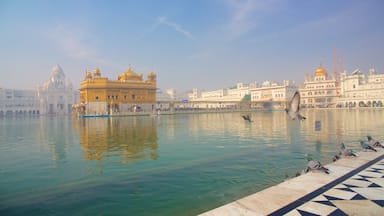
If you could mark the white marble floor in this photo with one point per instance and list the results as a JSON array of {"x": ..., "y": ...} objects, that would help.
[
  {"x": 355, "y": 186},
  {"x": 362, "y": 194}
]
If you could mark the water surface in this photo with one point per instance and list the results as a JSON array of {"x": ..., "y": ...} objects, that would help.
[{"x": 167, "y": 165}]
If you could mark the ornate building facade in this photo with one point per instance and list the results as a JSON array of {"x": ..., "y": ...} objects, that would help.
[
  {"x": 361, "y": 90},
  {"x": 272, "y": 94},
  {"x": 18, "y": 102},
  {"x": 56, "y": 95},
  {"x": 319, "y": 90},
  {"x": 129, "y": 93},
  {"x": 220, "y": 98}
]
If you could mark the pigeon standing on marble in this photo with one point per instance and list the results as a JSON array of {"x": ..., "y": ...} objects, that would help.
[
  {"x": 366, "y": 146},
  {"x": 346, "y": 152},
  {"x": 247, "y": 118},
  {"x": 294, "y": 107},
  {"x": 374, "y": 142},
  {"x": 315, "y": 166}
]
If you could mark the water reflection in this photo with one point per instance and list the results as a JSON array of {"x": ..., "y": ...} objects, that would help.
[
  {"x": 264, "y": 123},
  {"x": 55, "y": 134},
  {"x": 123, "y": 139}
]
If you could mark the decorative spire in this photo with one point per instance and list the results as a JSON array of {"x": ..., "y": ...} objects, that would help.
[
  {"x": 96, "y": 72},
  {"x": 88, "y": 74}
]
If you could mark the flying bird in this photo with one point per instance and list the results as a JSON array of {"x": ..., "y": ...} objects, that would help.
[
  {"x": 366, "y": 146},
  {"x": 374, "y": 142},
  {"x": 294, "y": 106},
  {"x": 247, "y": 118}
]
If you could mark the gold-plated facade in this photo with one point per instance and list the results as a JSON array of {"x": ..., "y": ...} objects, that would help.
[{"x": 129, "y": 93}]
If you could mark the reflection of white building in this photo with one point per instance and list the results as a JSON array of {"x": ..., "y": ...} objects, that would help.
[
  {"x": 272, "y": 94},
  {"x": 18, "y": 102},
  {"x": 319, "y": 90},
  {"x": 358, "y": 89},
  {"x": 56, "y": 95}
]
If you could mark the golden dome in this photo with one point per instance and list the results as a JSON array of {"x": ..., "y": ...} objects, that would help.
[
  {"x": 320, "y": 71},
  {"x": 130, "y": 75},
  {"x": 96, "y": 72},
  {"x": 151, "y": 75}
]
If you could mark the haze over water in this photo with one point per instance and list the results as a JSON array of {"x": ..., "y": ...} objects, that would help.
[{"x": 169, "y": 165}]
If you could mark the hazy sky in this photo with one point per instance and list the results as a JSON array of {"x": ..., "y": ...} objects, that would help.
[{"x": 204, "y": 44}]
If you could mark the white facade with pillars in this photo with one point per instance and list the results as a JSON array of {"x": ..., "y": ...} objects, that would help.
[
  {"x": 272, "y": 94},
  {"x": 319, "y": 90},
  {"x": 220, "y": 98},
  {"x": 361, "y": 90},
  {"x": 18, "y": 102},
  {"x": 57, "y": 95}
]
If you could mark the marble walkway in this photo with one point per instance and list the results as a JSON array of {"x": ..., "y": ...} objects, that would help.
[{"x": 355, "y": 186}]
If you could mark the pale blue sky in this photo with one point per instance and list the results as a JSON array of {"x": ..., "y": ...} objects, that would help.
[{"x": 205, "y": 44}]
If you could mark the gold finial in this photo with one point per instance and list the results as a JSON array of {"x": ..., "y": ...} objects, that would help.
[
  {"x": 88, "y": 74},
  {"x": 96, "y": 72}
]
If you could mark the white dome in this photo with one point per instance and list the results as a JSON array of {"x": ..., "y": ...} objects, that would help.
[{"x": 57, "y": 79}]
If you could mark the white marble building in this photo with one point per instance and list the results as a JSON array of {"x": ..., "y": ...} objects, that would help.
[
  {"x": 220, "y": 98},
  {"x": 272, "y": 94},
  {"x": 18, "y": 102},
  {"x": 56, "y": 95},
  {"x": 361, "y": 90},
  {"x": 319, "y": 90}
]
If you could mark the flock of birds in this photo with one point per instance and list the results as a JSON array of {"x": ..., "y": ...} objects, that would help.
[{"x": 314, "y": 165}]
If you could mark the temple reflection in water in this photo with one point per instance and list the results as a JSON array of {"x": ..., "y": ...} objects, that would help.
[{"x": 128, "y": 139}]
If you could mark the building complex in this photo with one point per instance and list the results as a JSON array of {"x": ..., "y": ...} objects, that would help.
[
  {"x": 131, "y": 93},
  {"x": 54, "y": 97}
]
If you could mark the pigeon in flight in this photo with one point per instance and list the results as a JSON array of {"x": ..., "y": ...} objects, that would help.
[
  {"x": 247, "y": 118},
  {"x": 366, "y": 146},
  {"x": 374, "y": 142},
  {"x": 294, "y": 106}
]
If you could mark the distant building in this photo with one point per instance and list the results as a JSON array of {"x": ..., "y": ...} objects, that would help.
[
  {"x": 18, "y": 102},
  {"x": 164, "y": 100},
  {"x": 272, "y": 94},
  {"x": 360, "y": 90},
  {"x": 56, "y": 95},
  {"x": 318, "y": 90},
  {"x": 221, "y": 98},
  {"x": 129, "y": 93}
]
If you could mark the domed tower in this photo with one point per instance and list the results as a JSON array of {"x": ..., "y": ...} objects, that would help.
[
  {"x": 320, "y": 74},
  {"x": 151, "y": 78},
  {"x": 96, "y": 72},
  {"x": 57, "y": 78},
  {"x": 130, "y": 75},
  {"x": 88, "y": 75}
]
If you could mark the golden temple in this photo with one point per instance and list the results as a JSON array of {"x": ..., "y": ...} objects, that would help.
[{"x": 129, "y": 93}]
